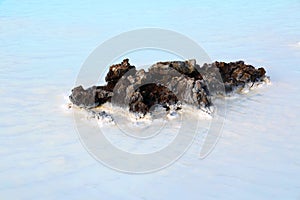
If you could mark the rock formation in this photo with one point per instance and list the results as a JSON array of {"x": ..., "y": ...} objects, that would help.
[
  {"x": 237, "y": 74},
  {"x": 167, "y": 84},
  {"x": 91, "y": 97}
]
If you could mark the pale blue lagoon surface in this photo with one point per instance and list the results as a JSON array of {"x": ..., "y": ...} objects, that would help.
[{"x": 42, "y": 48}]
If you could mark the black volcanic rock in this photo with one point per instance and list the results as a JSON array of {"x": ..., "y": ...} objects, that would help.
[
  {"x": 116, "y": 72},
  {"x": 189, "y": 68},
  {"x": 237, "y": 74},
  {"x": 98, "y": 95},
  {"x": 167, "y": 84},
  {"x": 150, "y": 95},
  {"x": 91, "y": 97}
]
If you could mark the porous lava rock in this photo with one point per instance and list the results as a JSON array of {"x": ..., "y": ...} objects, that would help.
[{"x": 167, "y": 84}]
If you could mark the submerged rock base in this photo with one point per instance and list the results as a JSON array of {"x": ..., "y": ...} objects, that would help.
[{"x": 167, "y": 84}]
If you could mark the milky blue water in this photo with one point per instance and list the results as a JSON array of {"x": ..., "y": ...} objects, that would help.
[{"x": 42, "y": 47}]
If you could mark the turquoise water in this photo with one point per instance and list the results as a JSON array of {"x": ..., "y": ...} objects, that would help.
[{"x": 42, "y": 47}]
